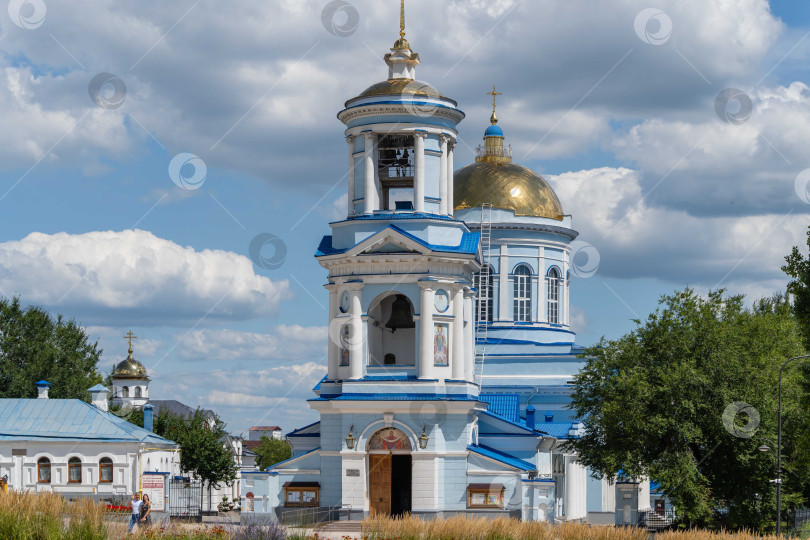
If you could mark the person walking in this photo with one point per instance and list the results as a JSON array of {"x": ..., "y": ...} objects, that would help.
[
  {"x": 146, "y": 509},
  {"x": 136, "y": 503}
]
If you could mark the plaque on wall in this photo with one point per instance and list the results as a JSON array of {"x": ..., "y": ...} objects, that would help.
[{"x": 352, "y": 472}]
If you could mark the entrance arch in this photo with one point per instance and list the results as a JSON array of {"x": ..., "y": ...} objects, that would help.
[{"x": 389, "y": 472}]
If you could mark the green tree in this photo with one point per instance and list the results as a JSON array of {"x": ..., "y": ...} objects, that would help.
[
  {"x": 686, "y": 399},
  {"x": 35, "y": 346},
  {"x": 797, "y": 267},
  {"x": 271, "y": 451},
  {"x": 201, "y": 450}
]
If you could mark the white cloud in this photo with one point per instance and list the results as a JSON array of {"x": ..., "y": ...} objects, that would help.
[
  {"x": 135, "y": 274},
  {"x": 635, "y": 239},
  {"x": 289, "y": 342}
]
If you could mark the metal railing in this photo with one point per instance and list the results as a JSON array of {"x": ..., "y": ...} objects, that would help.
[
  {"x": 498, "y": 151},
  {"x": 300, "y": 517}
]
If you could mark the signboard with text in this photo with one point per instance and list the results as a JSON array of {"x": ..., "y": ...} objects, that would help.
[{"x": 154, "y": 485}]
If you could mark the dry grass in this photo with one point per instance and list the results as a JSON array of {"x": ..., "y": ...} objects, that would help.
[
  {"x": 46, "y": 516},
  {"x": 466, "y": 528}
]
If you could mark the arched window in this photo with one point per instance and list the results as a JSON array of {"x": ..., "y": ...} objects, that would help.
[
  {"x": 75, "y": 470},
  {"x": 44, "y": 470},
  {"x": 553, "y": 284},
  {"x": 523, "y": 293},
  {"x": 105, "y": 470},
  {"x": 137, "y": 391},
  {"x": 483, "y": 305},
  {"x": 125, "y": 391}
]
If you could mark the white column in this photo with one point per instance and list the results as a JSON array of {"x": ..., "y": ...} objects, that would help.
[
  {"x": 419, "y": 171},
  {"x": 564, "y": 291},
  {"x": 542, "y": 300},
  {"x": 450, "y": 200},
  {"x": 333, "y": 349},
  {"x": 505, "y": 311},
  {"x": 443, "y": 175},
  {"x": 469, "y": 335},
  {"x": 457, "y": 361},
  {"x": 368, "y": 162},
  {"x": 426, "y": 332},
  {"x": 350, "y": 140},
  {"x": 356, "y": 337},
  {"x": 375, "y": 164}
]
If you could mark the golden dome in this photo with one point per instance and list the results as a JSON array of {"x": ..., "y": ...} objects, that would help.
[
  {"x": 130, "y": 368},
  {"x": 505, "y": 185},
  {"x": 400, "y": 87}
]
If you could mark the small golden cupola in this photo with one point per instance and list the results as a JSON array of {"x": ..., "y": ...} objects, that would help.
[
  {"x": 129, "y": 368},
  {"x": 494, "y": 179},
  {"x": 401, "y": 61}
]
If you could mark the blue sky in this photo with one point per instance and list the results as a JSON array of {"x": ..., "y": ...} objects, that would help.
[{"x": 623, "y": 124}]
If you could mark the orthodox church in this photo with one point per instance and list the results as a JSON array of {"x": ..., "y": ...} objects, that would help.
[{"x": 450, "y": 354}]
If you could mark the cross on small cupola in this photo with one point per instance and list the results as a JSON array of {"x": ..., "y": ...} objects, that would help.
[
  {"x": 129, "y": 337},
  {"x": 493, "y": 118}
]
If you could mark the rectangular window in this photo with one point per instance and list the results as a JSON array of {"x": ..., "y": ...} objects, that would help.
[
  {"x": 301, "y": 493},
  {"x": 105, "y": 472},
  {"x": 522, "y": 294},
  {"x": 485, "y": 495},
  {"x": 553, "y": 289}
]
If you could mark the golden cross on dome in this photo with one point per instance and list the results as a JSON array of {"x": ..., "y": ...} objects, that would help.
[
  {"x": 493, "y": 118},
  {"x": 401, "y": 18},
  {"x": 493, "y": 94},
  {"x": 129, "y": 337}
]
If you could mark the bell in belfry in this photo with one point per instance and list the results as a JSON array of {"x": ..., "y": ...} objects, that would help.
[{"x": 401, "y": 316}]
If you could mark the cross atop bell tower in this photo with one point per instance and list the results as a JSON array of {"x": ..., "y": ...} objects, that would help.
[{"x": 493, "y": 119}]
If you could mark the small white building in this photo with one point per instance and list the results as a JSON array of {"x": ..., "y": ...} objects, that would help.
[
  {"x": 74, "y": 448},
  {"x": 256, "y": 433}
]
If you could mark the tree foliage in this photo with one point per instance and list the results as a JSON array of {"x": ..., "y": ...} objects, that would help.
[
  {"x": 202, "y": 453},
  {"x": 271, "y": 451},
  {"x": 797, "y": 267},
  {"x": 36, "y": 346},
  {"x": 686, "y": 399}
]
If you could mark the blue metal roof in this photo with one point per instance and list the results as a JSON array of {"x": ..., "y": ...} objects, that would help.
[
  {"x": 298, "y": 431},
  {"x": 555, "y": 429},
  {"x": 99, "y": 388},
  {"x": 506, "y": 405},
  {"x": 394, "y": 397},
  {"x": 299, "y": 456},
  {"x": 502, "y": 457},
  {"x": 468, "y": 245},
  {"x": 493, "y": 131},
  {"x": 520, "y": 424},
  {"x": 67, "y": 420}
]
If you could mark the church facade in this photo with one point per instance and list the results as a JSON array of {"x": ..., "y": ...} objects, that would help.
[{"x": 450, "y": 352}]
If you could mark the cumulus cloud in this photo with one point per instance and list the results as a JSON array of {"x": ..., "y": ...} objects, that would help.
[
  {"x": 136, "y": 275},
  {"x": 214, "y": 81},
  {"x": 290, "y": 342},
  {"x": 636, "y": 239},
  {"x": 711, "y": 167}
]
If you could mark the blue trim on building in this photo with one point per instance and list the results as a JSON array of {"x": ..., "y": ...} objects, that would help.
[
  {"x": 394, "y": 397},
  {"x": 468, "y": 245},
  {"x": 293, "y": 432},
  {"x": 501, "y": 457},
  {"x": 305, "y": 454}
]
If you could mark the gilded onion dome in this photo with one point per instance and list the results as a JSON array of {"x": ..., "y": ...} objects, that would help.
[
  {"x": 129, "y": 368},
  {"x": 495, "y": 180}
]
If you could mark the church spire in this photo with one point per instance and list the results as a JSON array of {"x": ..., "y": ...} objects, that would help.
[
  {"x": 129, "y": 337},
  {"x": 493, "y": 149},
  {"x": 402, "y": 43},
  {"x": 401, "y": 60}
]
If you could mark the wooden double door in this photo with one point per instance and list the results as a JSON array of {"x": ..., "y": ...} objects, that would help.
[{"x": 389, "y": 484}]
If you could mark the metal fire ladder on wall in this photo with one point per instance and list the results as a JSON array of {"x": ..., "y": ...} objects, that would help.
[{"x": 484, "y": 299}]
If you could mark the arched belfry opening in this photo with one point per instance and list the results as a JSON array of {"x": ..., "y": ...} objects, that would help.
[
  {"x": 390, "y": 469},
  {"x": 391, "y": 331}
]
